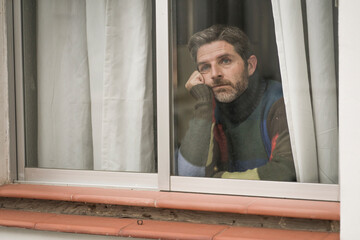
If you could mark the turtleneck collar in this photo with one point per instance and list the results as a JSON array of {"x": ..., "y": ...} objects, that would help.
[{"x": 241, "y": 108}]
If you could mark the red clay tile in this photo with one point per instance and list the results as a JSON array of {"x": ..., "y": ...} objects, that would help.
[
  {"x": 148, "y": 228},
  {"x": 204, "y": 202},
  {"x": 172, "y": 230},
  {"x": 81, "y": 194},
  {"x": 36, "y": 191},
  {"x": 84, "y": 224},
  {"x": 116, "y": 196},
  {"x": 14, "y": 218},
  {"x": 295, "y": 208},
  {"x": 333, "y": 236},
  {"x": 246, "y": 233}
]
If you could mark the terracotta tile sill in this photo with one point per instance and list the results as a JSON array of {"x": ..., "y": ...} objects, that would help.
[
  {"x": 187, "y": 201},
  {"x": 148, "y": 228}
]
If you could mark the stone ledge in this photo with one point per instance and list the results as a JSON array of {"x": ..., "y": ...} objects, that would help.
[{"x": 148, "y": 228}]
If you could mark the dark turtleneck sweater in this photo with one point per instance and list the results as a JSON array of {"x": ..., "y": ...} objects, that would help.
[{"x": 241, "y": 108}]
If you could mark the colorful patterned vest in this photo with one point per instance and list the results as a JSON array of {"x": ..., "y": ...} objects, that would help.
[{"x": 246, "y": 145}]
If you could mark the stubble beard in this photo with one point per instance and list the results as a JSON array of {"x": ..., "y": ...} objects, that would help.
[{"x": 226, "y": 95}]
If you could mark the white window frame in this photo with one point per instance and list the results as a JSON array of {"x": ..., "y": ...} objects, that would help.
[{"x": 161, "y": 181}]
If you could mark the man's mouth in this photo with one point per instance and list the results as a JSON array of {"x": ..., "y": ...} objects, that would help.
[{"x": 219, "y": 86}]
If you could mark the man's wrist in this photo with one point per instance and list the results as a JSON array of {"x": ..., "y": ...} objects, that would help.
[
  {"x": 201, "y": 92},
  {"x": 203, "y": 107}
]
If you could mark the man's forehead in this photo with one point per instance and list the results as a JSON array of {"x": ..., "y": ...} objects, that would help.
[{"x": 213, "y": 50}]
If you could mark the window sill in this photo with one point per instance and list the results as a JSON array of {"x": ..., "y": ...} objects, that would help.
[
  {"x": 164, "y": 229},
  {"x": 187, "y": 201}
]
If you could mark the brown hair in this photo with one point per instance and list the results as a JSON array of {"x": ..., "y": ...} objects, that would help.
[{"x": 230, "y": 34}]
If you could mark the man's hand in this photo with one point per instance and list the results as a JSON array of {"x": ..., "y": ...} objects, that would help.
[{"x": 195, "y": 79}]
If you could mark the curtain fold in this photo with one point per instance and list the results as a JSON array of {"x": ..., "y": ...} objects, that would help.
[
  {"x": 96, "y": 37},
  {"x": 64, "y": 104},
  {"x": 127, "y": 133},
  {"x": 323, "y": 86},
  {"x": 310, "y": 100},
  {"x": 293, "y": 67},
  {"x": 95, "y": 81}
]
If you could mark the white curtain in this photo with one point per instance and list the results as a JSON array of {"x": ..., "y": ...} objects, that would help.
[
  {"x": 95, "y": 98},
  {"x": 311, "y": 101}
]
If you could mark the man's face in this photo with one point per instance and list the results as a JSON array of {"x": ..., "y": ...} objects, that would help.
[{"x": 223, "y": 70}]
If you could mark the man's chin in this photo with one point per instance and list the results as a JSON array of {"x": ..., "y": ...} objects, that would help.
[{"x": 225, "y": 97}]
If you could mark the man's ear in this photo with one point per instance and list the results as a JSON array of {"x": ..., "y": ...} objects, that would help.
[{"x": 252, "y": 63}]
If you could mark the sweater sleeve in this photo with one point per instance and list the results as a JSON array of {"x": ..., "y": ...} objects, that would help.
[{"x": 195, "y": 145}]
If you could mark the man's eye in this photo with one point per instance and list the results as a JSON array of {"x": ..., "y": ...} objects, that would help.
[
  {"x": 204, "y": 68},
  {"x": 225, "y": 61}
]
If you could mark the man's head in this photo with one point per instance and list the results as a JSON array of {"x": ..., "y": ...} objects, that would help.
[
  {"x": 230, "y": 34},
  {"x": 224, "y": 59}
]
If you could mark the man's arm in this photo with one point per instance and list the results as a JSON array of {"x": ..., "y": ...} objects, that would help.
[{"x": 194, "y": 147}]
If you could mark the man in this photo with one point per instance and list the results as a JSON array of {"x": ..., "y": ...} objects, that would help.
[{"x": 239, "y": 128}]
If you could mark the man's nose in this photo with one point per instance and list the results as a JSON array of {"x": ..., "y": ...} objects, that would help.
[{"x": 216, "y": 72}]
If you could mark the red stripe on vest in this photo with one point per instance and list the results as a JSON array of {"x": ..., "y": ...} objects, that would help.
[
  {"x": 273, "y": 145},
  {"x": 220, "y": 137}
]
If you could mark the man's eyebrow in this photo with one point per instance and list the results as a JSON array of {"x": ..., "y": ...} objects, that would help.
[
  {"x": 218, "y": 57},
  {"x": 225, "y": 55}
]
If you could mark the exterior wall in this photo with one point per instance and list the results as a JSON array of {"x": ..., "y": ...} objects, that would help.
[
  {"x": 4, "y": 126},
  {"x": 26, "y": 234},
  {"x": 349, "y": 105},
  {"x": 349, "y": 98}
]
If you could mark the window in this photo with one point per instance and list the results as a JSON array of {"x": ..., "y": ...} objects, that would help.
[
  {"x": 88, "y": 90},
  {"x": 93, "y": 72}
]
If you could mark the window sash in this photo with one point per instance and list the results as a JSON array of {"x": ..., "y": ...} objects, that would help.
[
  {"x": 313, "y": 191},
  {"x": 91, "y": 178}
]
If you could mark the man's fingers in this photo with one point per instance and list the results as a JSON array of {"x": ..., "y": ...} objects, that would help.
[{"x": 195, "y": 79}]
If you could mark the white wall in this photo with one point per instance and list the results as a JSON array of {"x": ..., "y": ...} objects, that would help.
[
  {"x": 349, "y": 108},
  {"x": 4, "y": 146},
  {"x": 26, "y": 234}
]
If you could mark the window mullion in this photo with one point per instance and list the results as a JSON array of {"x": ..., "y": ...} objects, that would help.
[
  {"x": 19, "y": 90},
  {"x": 163, "y": 93}
]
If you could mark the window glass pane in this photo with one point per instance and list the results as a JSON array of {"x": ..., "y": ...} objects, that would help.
[
  {"x": 88, "y": 84},
  {"x": 239, "y": 112}
]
